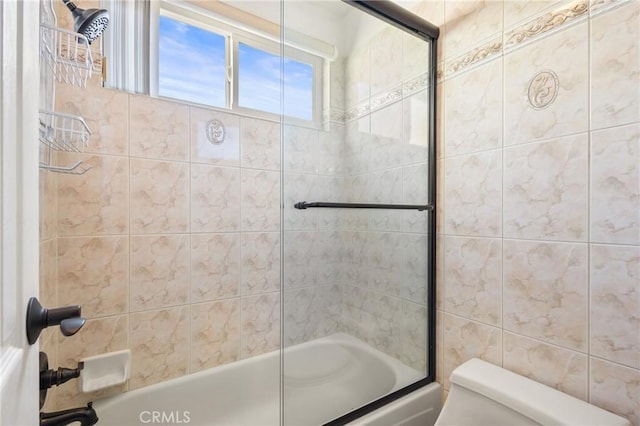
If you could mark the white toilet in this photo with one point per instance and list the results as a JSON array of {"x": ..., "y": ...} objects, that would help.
[{"x": 483, "y": 394}]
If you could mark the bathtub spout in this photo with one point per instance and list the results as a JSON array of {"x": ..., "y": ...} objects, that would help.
[{"x": 85, "y": 415}]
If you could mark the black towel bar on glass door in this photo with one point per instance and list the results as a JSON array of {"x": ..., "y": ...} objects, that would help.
[{"x": 420, "y": 207}]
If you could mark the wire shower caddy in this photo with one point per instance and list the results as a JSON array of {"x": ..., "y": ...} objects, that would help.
[{"x": 65, "y": 57}]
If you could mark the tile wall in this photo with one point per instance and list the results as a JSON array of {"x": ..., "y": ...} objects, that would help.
[
  {"x": 384, "y": 252},
  {"x": 172, "y": 243},
  {"x": 539, "y": 193}
]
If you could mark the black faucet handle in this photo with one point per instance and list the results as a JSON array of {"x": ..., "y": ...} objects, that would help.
[
  {"x": 71, "y": 326},
  {"x": 39, "y": 318}
]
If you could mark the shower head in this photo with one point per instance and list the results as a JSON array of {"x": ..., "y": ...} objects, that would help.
[{"x": 90, "y": 23}]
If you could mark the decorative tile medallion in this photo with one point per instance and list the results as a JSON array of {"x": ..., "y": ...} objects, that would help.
[
  {"x": 543, "y": 89},
  {"x": 215, "y": 131}
]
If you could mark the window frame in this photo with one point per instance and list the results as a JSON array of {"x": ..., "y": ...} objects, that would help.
[{"x": 234, "y": 35}]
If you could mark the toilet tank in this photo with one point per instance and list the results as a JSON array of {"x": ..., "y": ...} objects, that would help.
[{"x": 483, "y": 394}]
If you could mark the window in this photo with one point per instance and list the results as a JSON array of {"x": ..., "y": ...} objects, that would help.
[
  {"x": 191, "y": 63},
  {"x": 213, "y": 63}
]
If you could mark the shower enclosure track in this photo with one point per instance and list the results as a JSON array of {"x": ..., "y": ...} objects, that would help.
[{"x": 302, "y": 205}]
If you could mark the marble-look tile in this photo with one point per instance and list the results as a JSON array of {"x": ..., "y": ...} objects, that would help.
[
  {"x": 355, "y": 318},
  {"x": 159, "y": 271},
  {"x": 300, "y": 149},
  {"x": 615, "y": 388},
  {"x": 415, "y": 268},
  {"x": 96, "y": 202},
  {"x": 48, "y": 183},
  {"x": 515, "y": 12},
  {"x": 415, "y": 184},
  {"x": 468, "y": 22},
  {"x": 415, "y": 56},
  {"x": 311, "y": 313},
  {"x": 93, "y": 272},
  {"x": 473, "y": 278},
  {"x": 414, "y": 336},
  {"x": 356, "y": 256},
  {"x": 215, "y": 334},
  {"x": 385, "y": 262},
  {"x": 48, "y": 285},
  {"x": 159, "y": 196},
  {"x": 260, "y": 195},
  {"x": 415, "y": 128},
  {"x": 550, "y": 205},
  {"x": 260, "y": 262},
  {"x": 97, "y": 337},
  {"x": 464, "y": 339},
  {"x": 615, "y": 185},
  {"x": 301, "y": 316},
  {"x": 553, "y": 366},
  {"x": 615, "y": 303},
  {"x": 158, "y": 129},
  {"x": 330, "y": 298},
  {"x": 159, "y": 343},
  {"x": 473, "y": 114},
  {"x": 386, "y": 137},
  {"x": 357, "y": 71},
  {"x": 259, "y": 144},
  {"x": 106, "y": 112},
  {"x": 330, "y": 251},
  {"x": 215, "y": 198},
  {"x": 386, "y": 59},
  {"x": 565, "y": 54},
  {"x": 473, "y": 195},
  {"x": 300, "y": 259},
  {"x": 545, "y": 291},
  {"x": 615, "y": 67},
  {"x": 331, "y": 150},
  {"x": 300, "y": 187},
  {"x": 356, "y": 190},
  {"x": 215, "y": 266},
  {"x": 431, "y": 10},
  {"x": 260, "y": 324},
  {"x": 357, "y": 146},
  {"x": 384, "y": 330},
  {"x": 203, "y": 150},
  {"x": 330, "y": 188},
  {"x": 385, "y": 187},
  {"x": 386, "y": 220},
  {"x": 337, "y": 83}
]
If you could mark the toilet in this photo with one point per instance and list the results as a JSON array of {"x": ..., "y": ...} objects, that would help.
[{"x": 483, "y": 394}]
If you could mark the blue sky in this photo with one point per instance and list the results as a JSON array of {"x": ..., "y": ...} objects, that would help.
[{"x": 192, "y": 67}]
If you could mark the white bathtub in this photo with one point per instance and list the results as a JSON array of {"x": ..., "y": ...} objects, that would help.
[{"x": 323, "y": 379}]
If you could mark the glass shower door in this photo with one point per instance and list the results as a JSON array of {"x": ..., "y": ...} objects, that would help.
[{"x": 357, "y": 307}]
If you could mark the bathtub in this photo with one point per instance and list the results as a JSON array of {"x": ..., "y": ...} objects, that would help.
[{"x": 339, "y": 370}]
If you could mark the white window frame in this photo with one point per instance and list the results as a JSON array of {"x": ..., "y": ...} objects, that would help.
[{"x": 234, "y": 35}]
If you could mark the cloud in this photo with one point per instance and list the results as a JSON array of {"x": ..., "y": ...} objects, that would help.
[{"x": 192, "y": 67}]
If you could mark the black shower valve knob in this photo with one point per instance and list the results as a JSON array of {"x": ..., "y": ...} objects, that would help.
[{"x": 39, "y": 318}]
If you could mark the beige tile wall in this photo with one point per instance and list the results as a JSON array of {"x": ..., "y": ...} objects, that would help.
[
  {"x": 169, "y": 243},
  {"x": 382, "y": 254},
  {"x": 539, "y": 227}
]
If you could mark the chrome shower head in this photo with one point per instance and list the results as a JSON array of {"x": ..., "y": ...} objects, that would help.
[{"x": 91, "y": 23}]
